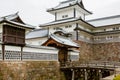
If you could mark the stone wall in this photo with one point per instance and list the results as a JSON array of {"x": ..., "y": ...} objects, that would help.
[
  {"x": 86, "y": 51},
  {"x": 99, "y": 51},
  {"x": 107, "y": 51},
  {"x": 30, "y": 70}
]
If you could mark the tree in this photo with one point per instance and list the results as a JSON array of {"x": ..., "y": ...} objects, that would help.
[{"x": 117, "y": 77}]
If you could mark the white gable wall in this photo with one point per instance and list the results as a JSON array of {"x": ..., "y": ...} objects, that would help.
[
  {"x": 80, "y": 15},
  {"x": 67, "y": 13}
]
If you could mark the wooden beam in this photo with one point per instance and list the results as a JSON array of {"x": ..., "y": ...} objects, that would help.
[
  {"x": 73, "y": 74},
  {"x": 3, "y": 51},
  {"x": 21, "y": 53},
  {"x": 77, "y": 32}
]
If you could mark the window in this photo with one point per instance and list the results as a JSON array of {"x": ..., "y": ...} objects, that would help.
[
  {"x": 57, "y": 28},
  {"x": 110, "y": 37},
  {"x": 104, "y": 29},
  {"x": 64, "y": 16},
  {"x": 13, "y": 35},
  {"x": 116, "y": 28},
  {"x": 69, "y": 26}
]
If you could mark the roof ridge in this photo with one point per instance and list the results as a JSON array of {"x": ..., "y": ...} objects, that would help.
[{"x": 10, "y": 15}]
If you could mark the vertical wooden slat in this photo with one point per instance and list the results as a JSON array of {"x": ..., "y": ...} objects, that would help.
[
  {"x": 21, "y": 53},
  {"x": 3, "y": 51}
]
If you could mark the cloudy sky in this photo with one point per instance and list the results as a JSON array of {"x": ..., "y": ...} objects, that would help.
[{"x": 34, "y": 11}]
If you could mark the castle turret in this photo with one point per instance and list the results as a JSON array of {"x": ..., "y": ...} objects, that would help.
[{"x": 69, "y": 9}]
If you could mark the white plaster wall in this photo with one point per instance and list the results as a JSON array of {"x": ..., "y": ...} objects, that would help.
[
  {"x": 74, "y": 56},
  {"x": 69, "y": 12},
  {"x": 84, "y": 28},
  {"x": 71, "y": 29},
  {"x": 109, "y": 29},
  {"x": 97, "y": 30},
  {"x": 12, "y": 48},
  {"x": 1, "y": 28},
  {"x": 40, "y": 50},
  {"x": 79, "y": 14}
]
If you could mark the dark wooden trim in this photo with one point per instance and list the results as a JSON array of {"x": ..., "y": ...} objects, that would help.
[
  {"x": 76, "y": 31},
  {"x": 74, "y": 13},
  {"x": 55, "y": 16},
  {"x": 48, "y": 33},
  {"x": 3, "y": 51},
  {"x": 21, "y": 53},
  {"x": 84, "y": 16}
]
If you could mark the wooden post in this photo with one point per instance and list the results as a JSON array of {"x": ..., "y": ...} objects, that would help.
[
  {"x": 100, "y": 74},
  {"x": 76, "y": 32},
  {"x": 21, "y": 53},
  {"x": 73, "y": 74},
  {"x": 3, "y": 51},
  {"x": 86, "y": 74}
]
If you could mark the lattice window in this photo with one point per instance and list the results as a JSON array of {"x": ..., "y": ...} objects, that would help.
[
  {"x": 13, "y": 35},
  {"x": 39, "y": 56},
  {"x": 12, "y": 55}
]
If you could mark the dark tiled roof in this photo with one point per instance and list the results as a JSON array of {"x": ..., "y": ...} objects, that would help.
[
  {"x": 38, "y": 33},
  {"x": 64, "y": 41},
  {"x": 11, "y": 19},
  {"x": 68, "y": 3}
]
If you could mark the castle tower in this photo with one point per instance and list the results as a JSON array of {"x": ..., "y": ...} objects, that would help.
[
  {"x": 69, "y": 9},
  {"x": 69, "y": 16}
]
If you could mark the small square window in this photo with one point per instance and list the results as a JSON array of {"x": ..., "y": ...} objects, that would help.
[
  {"x": 113, "y": 28},
  {"x": 117, "y": 28},
  {"x": 66, "y": 26},
  {"x": 70, "y": 26},
  {"x": 66, "y": 15},
  {"x": 54, "y": 28},
  {"x": 63, "y": 16}
]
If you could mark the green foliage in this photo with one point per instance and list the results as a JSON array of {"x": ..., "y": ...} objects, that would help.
[{"x": 117, "y": 77}]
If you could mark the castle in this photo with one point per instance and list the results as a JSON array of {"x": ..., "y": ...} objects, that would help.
[
  {"x": 38, "y": 54},
  {"x": 98, "y": 38}
]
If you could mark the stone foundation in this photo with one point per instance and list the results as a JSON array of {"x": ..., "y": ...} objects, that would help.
[
  {"x": 86, "y": 51},
  {"x": 100, "y": 51},
  {"x": 30, "y": 70},
  {"x": 107, "y": 51}
]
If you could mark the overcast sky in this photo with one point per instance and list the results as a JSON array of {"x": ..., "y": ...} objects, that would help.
[{"x": 34, "y": 11}]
